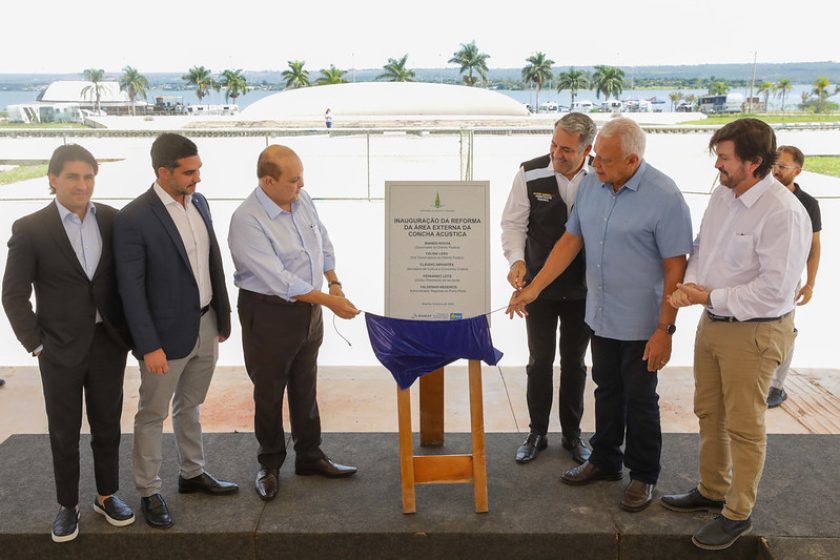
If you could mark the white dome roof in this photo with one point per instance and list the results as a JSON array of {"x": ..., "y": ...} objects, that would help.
[{"x": 383, "y": 98}]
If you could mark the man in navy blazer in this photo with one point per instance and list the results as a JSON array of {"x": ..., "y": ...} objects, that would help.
[{"x": 172, "y": 285}]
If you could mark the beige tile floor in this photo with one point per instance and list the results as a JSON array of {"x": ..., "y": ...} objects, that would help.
[{"x": 363, "y": 399}]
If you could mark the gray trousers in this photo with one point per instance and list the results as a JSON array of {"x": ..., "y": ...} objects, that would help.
[{"x": 187, "y": 381}]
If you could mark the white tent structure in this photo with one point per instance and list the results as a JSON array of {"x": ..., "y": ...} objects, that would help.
[{"x": 380, "y": 99}]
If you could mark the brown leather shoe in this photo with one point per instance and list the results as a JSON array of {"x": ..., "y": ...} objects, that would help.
[
  {"x": 586, "y": 473},
  {"x": 637, "y": 496},
  {"x": 267, "y": 482}
]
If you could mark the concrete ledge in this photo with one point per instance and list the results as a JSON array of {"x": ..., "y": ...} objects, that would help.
[{"x": 532, "y": 515}]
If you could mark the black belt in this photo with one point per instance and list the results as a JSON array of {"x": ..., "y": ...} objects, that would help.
[
  {"x": 204, "y": 310},
  {"x": 726, "y": 319},
  {"x": 277, "y": 300}
]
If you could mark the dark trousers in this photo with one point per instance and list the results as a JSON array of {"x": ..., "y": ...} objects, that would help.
[
  {"x": 280, "y": 340},
  {"x": 99, "y": 377},
  {"x": 625, "y": 398},
  {"x": 541, "y": 323}
]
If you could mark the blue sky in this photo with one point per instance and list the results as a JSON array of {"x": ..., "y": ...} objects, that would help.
[{"x": 157, "y": 35}]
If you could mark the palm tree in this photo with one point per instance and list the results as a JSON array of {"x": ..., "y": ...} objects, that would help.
[
  {"x": 96, "y": 88},
  {"x": 821, "y": 86},
  {"x": 332, "y": 75},
  {"x": 675, "y": 97},
  {"x": 718, "y": 88},
  {"x": 806, "y": 100},
  {"x": 573, "y": 80},
  {"x": 234, "y": 83},
  {"x": 538, "y": 72},
  {"x": 783, "y": 87},
  {"x": 608, "y": 80},
  {"x": 134, "y": 84},
  {"x": 692, "y": 100},
  {"x": 395, "y": 71},
  {"x": 296, "y": 76},
  {"x": 471, "y": 60},
  {"x": 202, "y": 79},
  {"x": 766, "y": 88}
]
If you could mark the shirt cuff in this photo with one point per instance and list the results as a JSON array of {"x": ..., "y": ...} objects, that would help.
[
  {"x": 298, "y": 288},
  {"x": 516, "y": 256},
  {"x": 329, "y": 263},
  {"x": 38, "y": 350},
  {"x": 717, "y": 302}
]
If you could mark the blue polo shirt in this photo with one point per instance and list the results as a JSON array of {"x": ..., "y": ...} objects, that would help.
[{"x": 626, "y": 235}]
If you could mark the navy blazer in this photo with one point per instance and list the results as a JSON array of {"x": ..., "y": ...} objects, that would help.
[
  {"x": 40, "y": 255},
  {"x": 156, "y": 281}
]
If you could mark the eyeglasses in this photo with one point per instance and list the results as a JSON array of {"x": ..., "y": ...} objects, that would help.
[{"x": 780, "y": 166}]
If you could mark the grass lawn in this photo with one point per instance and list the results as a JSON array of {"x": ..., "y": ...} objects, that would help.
[
  {"x": 770, "y": 119},
  {"x": 22, "y": 173},
  {"x": 827, "y": 165}
]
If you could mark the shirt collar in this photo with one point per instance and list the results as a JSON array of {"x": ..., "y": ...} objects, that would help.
[
  {"x": 583, "y": 171},
  {"x": 754, "y": 193},
  {"x": 167, "y": 199},
  {"x": 63, "y": 212},
  {"x": 270, "y": 206}
]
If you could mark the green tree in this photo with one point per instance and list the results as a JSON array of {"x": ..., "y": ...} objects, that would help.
[
  {"x": 471, "y": 59},
  {"x": 537, "y": 72},
  {"x": 783, "y": 87},
  {"x": 134, "y": 84},
  {"x": 201, "y": 79},
  {"x": 608, "y": 80},
  {"x": 395, "y": 71},
  {"x": 675, "y": 97},
  {"x": 767, "y": 88},
  {"x": 95, "y": 76},
  {"x": 296, "y": 76},
  {"x": 574, "y": 81},
  {"x": 235, "y": 84},
  {"x": 718, "y": 88},
  {"x": 821, "y": 86},
  {"x": 331, "y": 75}
]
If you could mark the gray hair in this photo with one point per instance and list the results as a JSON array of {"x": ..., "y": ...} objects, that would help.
[
  {"x": 578, "y": 123},
  {"x": 631, "y": 134}
]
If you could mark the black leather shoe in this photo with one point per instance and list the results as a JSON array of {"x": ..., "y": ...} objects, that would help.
[
  {"x": 580, "y": 453},
  {"x": 116, "y": 511},
  {"x": 324, "y": 467},
  {"x": 637, "y": 496},
  {"x": 66, "y": 524},
  {"x": 692, "y": 500},
  {"x": 205, "y": 482},
  {"x": 155, "y": 511},
  {"x": 532, "y": 445},
  {"x": 267, "y": 483},
  {"x": 721, "y": 533},
  {"x": 775, "y": 397},
  {"x": 586, "y": 473}
]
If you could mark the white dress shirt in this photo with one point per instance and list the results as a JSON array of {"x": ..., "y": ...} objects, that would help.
[
  {"x": 751, "y": 250},
  {"x": 518, "y": 207},
  {"x": 196, "y": 240}
]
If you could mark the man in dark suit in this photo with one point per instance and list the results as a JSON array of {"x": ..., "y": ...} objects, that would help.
[
  {"x": 173, "y": 288},
  {"x": 77, "y": 331}
]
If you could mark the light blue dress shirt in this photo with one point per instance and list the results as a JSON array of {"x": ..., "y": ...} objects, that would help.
[
  {"x": 626, "y": 236},
  {"x": 84, "y": 236},
  {"x": 276, "y": 252}
]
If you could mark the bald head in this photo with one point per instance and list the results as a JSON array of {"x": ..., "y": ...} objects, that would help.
[{"x": 270, "y": 162}]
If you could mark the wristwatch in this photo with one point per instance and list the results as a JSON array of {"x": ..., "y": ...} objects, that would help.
[{"x": 669, "y": 328}]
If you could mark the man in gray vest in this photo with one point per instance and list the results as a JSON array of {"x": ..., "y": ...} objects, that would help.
[{"x": 534, "y": 218}]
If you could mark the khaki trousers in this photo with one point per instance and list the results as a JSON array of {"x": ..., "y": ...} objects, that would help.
[{"x": 733, "y": 366}]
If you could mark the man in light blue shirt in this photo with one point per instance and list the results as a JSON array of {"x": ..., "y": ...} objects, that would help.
[
  {"x": 282, "y": 254},
  {"x": 635, "y": 227}
]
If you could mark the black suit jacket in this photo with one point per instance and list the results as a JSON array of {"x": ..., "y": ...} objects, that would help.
[
  {"x": 40, "y": 254},
  {"x": 156, "y": 281}
]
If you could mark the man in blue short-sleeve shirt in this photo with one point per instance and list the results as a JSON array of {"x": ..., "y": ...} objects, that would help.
[{"x": 635, "y": 226}]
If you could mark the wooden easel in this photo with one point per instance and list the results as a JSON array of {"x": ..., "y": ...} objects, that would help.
[{"x": 441, "y": 469}]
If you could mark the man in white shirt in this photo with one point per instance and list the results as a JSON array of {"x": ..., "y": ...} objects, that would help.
[
  {"x": 534, "y": 218},
  {"x": 748, "y": 257}
]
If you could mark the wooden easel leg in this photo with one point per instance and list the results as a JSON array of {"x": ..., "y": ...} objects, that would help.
[
  {"x": 406, "y": 450},
  {"x": 478, "y": 451},
  {"x": 431, "y": 409}
]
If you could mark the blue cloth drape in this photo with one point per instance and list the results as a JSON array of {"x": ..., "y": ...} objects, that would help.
[{"x": 410, "y": 349}]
